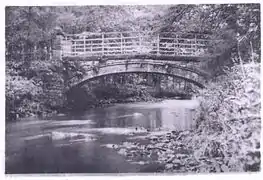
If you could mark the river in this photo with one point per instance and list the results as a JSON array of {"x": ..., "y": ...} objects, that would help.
[{"x": 78, "y": 143}]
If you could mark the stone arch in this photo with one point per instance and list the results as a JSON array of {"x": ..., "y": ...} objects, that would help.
[
  {"x": 200, "y": 85},
  {"x": 189, "y": 73}
]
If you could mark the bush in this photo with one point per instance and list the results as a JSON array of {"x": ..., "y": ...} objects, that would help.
[
  {"x": 20, "y": 90},
  {"x": 34, "y": 91},
  {"x": 229, "y": 121}
]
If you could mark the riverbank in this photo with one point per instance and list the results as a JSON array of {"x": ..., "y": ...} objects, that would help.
[
  {"x": 101, "y": 104},
  {"x": 106, "y": 103},
  {"x": 227, "y": 133},
  {"x": 103, "y": 94},
  {"x": 188, "y": 151},
  {"x": 171, "y": 149},
  {"x": 110, "y": 102}
]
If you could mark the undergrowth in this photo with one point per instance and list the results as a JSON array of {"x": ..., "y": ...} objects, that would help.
[{"x": 228, "y": 124}]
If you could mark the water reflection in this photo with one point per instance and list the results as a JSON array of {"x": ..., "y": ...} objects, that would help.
[
  {"x": 148, "y": 116},
  {"x": 39, "y": 147}
]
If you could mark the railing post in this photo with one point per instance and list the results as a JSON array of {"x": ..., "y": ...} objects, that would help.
[
  {"x": 84, "y": 45},
  {"x": 158, "y": 44},
  {"x": 175, "y": 40},
  {"x": 91, "y": 46},
  {"x": 121, "y": 44},
  {"x": 73, "y": 48},
  {"x": 102, "y": 43}
]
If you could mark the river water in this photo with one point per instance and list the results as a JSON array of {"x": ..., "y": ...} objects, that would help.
[{"x": 78, "y": 143}]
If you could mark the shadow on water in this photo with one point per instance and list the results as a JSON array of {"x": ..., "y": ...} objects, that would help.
[{"x": 74, "y": 158}]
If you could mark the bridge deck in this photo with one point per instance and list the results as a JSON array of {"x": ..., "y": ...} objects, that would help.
[
  {"x": 167, "y": 45},
  {"x": 137, "y": 56}
]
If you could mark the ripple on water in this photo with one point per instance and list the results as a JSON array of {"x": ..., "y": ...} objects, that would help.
[
  {"x": 72, "y": 122},
  {"x": 56, "y": 136},
  {"x": 119, "y": 131}
]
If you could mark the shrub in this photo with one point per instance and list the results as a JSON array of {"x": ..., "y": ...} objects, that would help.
[
  {"x": 19, "y": 90},
  {"x": 229, "y": 121}
]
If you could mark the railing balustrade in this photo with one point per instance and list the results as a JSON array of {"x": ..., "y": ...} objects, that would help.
[{"x": 128, "y": 43}]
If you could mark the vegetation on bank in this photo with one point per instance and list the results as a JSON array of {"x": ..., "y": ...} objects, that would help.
[
  {"x": 229, "y": 126},
  {"x": 227, "y": 133},
  {"x": 36, "y": 91}
]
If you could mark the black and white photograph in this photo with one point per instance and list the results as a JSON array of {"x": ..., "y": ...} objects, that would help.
[{"x": 169, "y": 89}]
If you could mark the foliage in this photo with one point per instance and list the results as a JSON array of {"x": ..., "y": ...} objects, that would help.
[
  {"x": 236, "y": 24},
  {"x": 31, "y": 92},
  {"x": 19, "y": 91},
  {"x": 30, "y": 33},
  {"x": 229, "y": 123}
]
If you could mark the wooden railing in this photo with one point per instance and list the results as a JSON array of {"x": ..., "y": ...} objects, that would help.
[{"x": 126, "y": 43}]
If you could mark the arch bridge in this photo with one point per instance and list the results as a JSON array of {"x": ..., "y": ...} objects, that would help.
[{"x": 167, "y": 53}]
